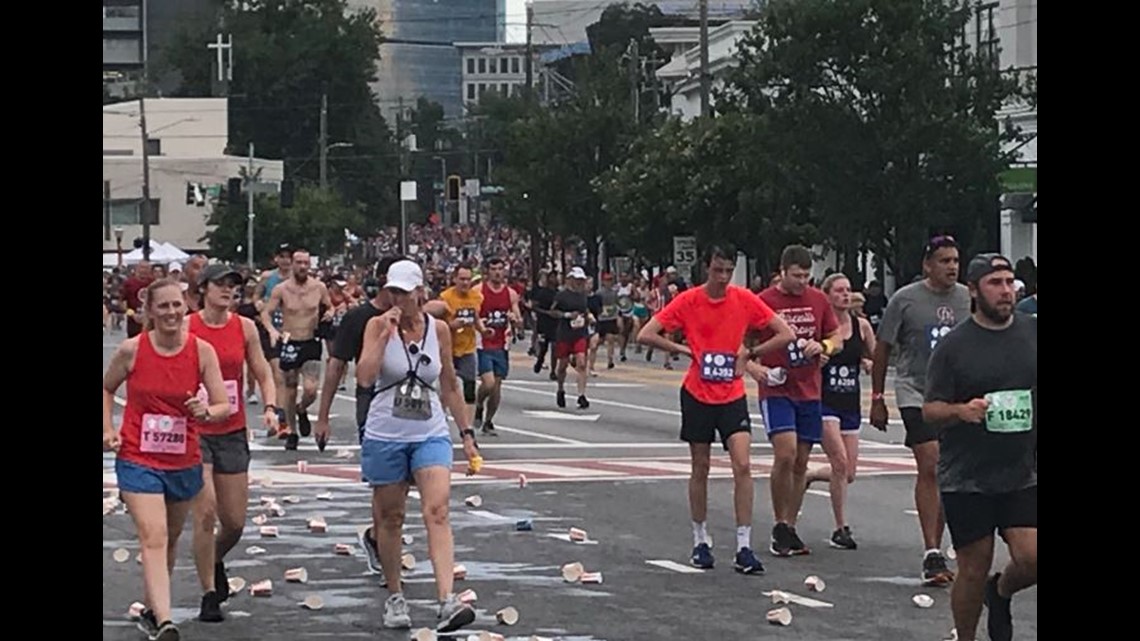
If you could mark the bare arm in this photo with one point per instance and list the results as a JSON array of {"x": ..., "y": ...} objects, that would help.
[
  {"x": 436, "y": 308},
  {"x": 650, "y": 335},
  {"x": 376, "y": 335},
  {"x": 267, "y": 313},
  {"x": 516, "y": 314},
  {"x": 882, "y": 357},
  {"x": 783, "y": 335},
  {"x": 119, "y": 368},
  {"x": 941, "y": 412},
  {"x": 211, "y": 373},
  {"x": 258, "y": 366},
  {"x": 326, "y": 300}
]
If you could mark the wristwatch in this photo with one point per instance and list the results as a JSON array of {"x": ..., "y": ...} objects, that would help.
[
  {"x": 465, "y": 432},
  {"x": 270, "y": 407},
  {"x": 877, "y": 396}
]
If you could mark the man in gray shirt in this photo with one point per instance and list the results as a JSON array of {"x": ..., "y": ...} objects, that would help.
[
  {"x": 916, "y": 318},
  {"x": 982, "y": 394},
  {"x": 607, "y": 320}
]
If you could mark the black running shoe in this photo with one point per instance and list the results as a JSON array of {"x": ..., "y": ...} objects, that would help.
[
  {"x": 935, "y": 572},
  {"x": 781, "y": 540},
  {"x": 999, "y": 619},
  {"x": 841, "y": 539},
  {"x": 488, "y": 429},
  {"x": 798, "y": 547},
  {"x": 560, "y": 398},
  {"x": 303, "y": 424},
  {"x": 583, "y": 403},
  {"x": 147, "y": 624},
  {"x": 166, "y": 632},
  {"x": 478, "y": 413},
  {"x": 291, "y": 442},
  {"x": 211, "y": 611}
]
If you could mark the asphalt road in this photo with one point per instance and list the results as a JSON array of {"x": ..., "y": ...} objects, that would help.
[{"x": 616, "y": 470}]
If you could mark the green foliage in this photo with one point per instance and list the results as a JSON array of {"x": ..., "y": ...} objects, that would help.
[
  {"x": 316, "y": 222},
  {"x": 287, "y": 53}
]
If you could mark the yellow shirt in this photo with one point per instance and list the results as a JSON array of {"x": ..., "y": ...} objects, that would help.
[{"x": 462, "y": 306}]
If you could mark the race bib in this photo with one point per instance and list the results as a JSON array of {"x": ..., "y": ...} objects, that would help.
[
  {"x": 1009, "y": 411},
  {"x": 498, "y": 318},
  {"x": 231, "y": 395},
  {"x": 796, "y": 356},
  {"x": 609, "y": 310},
  {"x": 718, "y": 367},
  {"x": 412, "y": 402},
  {"x": 934, "y": 333},
  {"x": 338, "y": 318},
  {"x": 163, "y": 434},
  {"x": 578, "y": 323},
  {"x": 290, "y": 352},
  {"x": 841, "y": 379},
  {"x": 278, "y": 318},
  {"x": 625, "y": 304}
]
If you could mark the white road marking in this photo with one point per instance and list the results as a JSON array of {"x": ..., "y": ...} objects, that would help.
[
  {"x": 674, "y": 566},
  {"x": 552, "y": 470},
  {"x": 539, "y": 435},
  {"x": 562, "y": 416},
  {"x": 489, "y": 515},
  {"x": 566, "y": 537},
  {"x": 803, "y": 600},
  {"x": 823, "y": 493},
  {"x": 676, "y": 467},
  {"x": 552, "y": 384}
]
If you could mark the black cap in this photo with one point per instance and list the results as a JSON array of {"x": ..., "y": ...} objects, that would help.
[
  {"x": 983, "y": 265},
  {"x": 218, "y": 271},
  {"x": 284, "y": 248}
]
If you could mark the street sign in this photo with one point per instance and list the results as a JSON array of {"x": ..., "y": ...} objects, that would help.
[
  {"x": 471, "y": 187},
  {"x": 408, "y": 191},
  {"x": 685, "y": 256}
]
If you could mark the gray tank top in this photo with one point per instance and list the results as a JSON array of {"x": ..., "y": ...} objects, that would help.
[{"x": 406, "y": 407}]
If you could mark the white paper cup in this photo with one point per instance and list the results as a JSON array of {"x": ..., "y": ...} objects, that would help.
[
  {"x": 236, "y": 583},
  {"x": 313, "y": 602},
  {"x": 459, "y": 572},
  {"x": 780, "y": 616},
  {"x": 591, "y": 577},
  {"x": 507, "y": 616},
  {"x": 408, "y": 561},
  {"x": 268, "y": 531},
  {"x": 815, "y": 584},
  {"x": 474, "y": 501},
  {"x": 302, "y": 466},
  {"x": 468, "y": 597},
  {"x": 923, "y": 600},
  {"x": 577, "y": 535},
  {"x": 261, "y": 588},
  {"x": 325, "y": 496},
  {"x": 571, "y": 572},
  {"x": 121, "y": 555},
  {"x": 135, "y": 610},
  {"x": 297, "y": 575},
  {"x": 342, "y": 549}
]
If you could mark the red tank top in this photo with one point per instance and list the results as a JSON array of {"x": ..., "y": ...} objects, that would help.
[
  {"x": 496, "y": 306},
  {"x": 157, "y": 431},
  {"x": 229, "y": 342}
]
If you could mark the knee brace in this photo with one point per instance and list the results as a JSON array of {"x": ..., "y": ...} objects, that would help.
[{"x": 469, "y": 392}]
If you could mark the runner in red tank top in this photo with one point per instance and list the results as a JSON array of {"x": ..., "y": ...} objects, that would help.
[
  {"x": 225, "y": 444},
  {"x": 158, "y": 466},
  {"x": 499, "y": 312}
]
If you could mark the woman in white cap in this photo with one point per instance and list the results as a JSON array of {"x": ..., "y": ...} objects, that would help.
[
  {"x": 571, "y": 305},
  {"x": 406, "y": 357}
]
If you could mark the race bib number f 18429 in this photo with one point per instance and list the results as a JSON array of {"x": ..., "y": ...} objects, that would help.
[{"x": 1009, "y": 411}]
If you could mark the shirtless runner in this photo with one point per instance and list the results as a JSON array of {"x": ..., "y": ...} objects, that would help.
[{"x": 300, "y": 299}]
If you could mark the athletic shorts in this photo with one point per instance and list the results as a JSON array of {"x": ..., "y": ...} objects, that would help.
[
  {"x": 563, "y": 349},
  {"x": 388, "y": 462},
  {"x": 849, "y": 420},
  {"x": 607, "y": 327},
  {"x": 294, "y": 354},
  {"x": 175, "y": 485},
  {"x": 918, "y": 431},
  {"x": 972, "y": 517},
  {"x": 495, "y": 361},
  {"x": 228, "y": 453},
  {"x": 466, "y": 367},
  {"x": 805, "y": 418},
  {"x": 701, "y": 422}
]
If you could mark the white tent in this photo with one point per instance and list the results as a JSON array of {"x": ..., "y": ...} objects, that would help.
[{"x": 159, "y": 253}]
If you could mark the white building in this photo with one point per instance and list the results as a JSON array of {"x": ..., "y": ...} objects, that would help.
[
  {"x": 491, "y": 66},
  {"x": 1016, "y": 26},
  {"x": 187, "y": 140},
  {"x": 681, "y": 75}
]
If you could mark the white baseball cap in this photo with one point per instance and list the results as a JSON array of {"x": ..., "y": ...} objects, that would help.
[
  {"x": 405, "y": 276},
  {"x": 577, "y": 272},
  {"x": 174, "y": 267}
]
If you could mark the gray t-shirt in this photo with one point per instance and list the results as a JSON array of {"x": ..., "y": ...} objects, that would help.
[
  {"x": 998, "y": 455},
  {"x": 609, "y": 299},
  {"x": 916, "y": 318}
]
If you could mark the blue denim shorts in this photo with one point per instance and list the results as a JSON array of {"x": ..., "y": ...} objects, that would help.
[
  {"x": 388, "y": 462},
  {"x": 175, "y": 485}
]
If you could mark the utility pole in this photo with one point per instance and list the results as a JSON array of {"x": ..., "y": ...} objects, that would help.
[
  {"x": 144, "y": 207},
  {"x": 529, "y": 48},
  {"x": 705, "y": 80},
  {"x": 249, "y": 208},
  {"x": 324, "y": 141},
  {"x": 634, "y": 79}
]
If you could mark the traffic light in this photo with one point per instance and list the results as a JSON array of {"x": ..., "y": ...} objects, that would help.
[
  {"x": 453, "y": 188},
  {"x": 286, "y": 194},
  {"x": 190, "y": 194},
  {"x": 233, "y": 191}
]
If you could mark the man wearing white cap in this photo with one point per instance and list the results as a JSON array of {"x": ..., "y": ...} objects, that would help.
[{"x": 572, "y": 308}]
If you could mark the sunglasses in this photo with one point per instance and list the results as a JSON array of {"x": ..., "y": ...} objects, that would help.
[{"x": 938, "y": 242}]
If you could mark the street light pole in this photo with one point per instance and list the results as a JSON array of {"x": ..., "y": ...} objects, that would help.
[
  {"x": 442, "y": 188},
  {"x": 249, "y": 209}
]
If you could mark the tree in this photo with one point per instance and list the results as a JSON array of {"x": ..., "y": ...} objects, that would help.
[
  {"x": 316, "y": 221},
  {"x": 287, "y": 54},
  {"x": 883, "y": 123}
]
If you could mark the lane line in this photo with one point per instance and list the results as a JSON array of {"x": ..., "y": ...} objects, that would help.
[
  {"x": 803, "y": 600},
  {"x": 674, "y": 566},
  {"x": 823, "y": 493}
]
